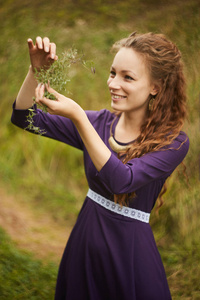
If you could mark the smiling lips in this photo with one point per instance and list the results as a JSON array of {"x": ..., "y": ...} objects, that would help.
[{"x": 117, "y": 97}]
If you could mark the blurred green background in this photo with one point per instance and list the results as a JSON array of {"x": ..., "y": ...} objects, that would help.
[{"x": 42, "y": 183}]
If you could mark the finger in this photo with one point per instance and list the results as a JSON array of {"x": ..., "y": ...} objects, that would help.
[
  {"x": 52, "y": 49},
  {"x": 36, "y": 91},
  {"x": 39, "y": 92},
  {"x": 51, "y": 91},
  {"x": 30, "y": 44},
  {"x": 45, "y": 102},
  {"x": 46, "y": 43},
  {"x": 39, "y": 43}
]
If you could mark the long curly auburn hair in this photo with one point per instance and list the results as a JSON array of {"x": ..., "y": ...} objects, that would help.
[{"x": 166, "y": 117}]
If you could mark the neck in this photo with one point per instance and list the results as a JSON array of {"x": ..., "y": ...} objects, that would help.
[{"x": 128, "y": 127}]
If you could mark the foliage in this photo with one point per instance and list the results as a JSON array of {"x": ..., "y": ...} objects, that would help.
[{"x": 58, "y": 76}]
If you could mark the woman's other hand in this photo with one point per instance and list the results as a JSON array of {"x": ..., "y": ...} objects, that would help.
[
  {"x": 66, "y": 107},
  {"x": 61, "y": 106},
  {"x": 43, "y": 53}
]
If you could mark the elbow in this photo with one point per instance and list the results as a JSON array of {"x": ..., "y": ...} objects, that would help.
[
  {"x": 13, "y": 121},
  {"x": 121, "y": 188},
  {"x": 18, "y": 121}
]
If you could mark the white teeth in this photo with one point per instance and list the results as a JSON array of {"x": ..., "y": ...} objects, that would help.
[{"x": 117, "y": 97}]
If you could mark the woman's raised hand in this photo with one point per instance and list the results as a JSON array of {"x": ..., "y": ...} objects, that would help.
[{"x": 43, "y": 53}]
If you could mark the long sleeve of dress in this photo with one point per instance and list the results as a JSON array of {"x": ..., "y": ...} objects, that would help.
[
  {"x": 139, "y": 172},
  {"x": 55, "y": 127}
]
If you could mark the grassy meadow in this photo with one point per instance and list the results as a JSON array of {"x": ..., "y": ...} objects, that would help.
[{"x": 47, "y": 177}]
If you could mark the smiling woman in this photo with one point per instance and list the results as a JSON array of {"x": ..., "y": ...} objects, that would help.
[
  {"x": 131, "y": 90},
  {"x": 111, "y": 252}
]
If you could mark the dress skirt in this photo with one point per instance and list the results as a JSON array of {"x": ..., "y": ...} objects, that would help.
[{"x": 110, "y": 257}]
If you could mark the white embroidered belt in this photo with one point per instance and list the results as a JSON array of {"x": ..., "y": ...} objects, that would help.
[{"x": 121, "y": 210}]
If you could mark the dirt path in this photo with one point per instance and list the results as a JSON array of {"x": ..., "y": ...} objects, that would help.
[{"x": 38, "y": 234}]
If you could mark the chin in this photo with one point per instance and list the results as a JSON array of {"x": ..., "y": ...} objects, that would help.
[{"x": 117, "y": 108}]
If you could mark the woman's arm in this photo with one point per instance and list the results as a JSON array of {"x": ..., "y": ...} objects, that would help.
[
  {"x": 42, "y": 54},
  {"x": 125, "y": 178},
  {"x": 24, "y": 98},
  {"x": 98, "y": 151},
  {"x": 66, "y": 107}
]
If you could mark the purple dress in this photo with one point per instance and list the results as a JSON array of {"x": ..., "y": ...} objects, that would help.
[{"x": 110, "y": 256}]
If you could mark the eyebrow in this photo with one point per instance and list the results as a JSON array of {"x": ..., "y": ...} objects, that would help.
[{"x": 125, "y": 71}]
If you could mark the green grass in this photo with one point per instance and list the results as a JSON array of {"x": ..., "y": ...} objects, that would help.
[
  {"x": 50, "y": 176},
  {"x": 22, "y": 276},
  {"x": 182, "y": 271}
]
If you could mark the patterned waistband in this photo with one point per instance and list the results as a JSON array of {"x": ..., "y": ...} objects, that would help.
[{"x": 121, "y": 210}]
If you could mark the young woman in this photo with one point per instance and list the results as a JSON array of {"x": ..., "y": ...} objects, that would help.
[{"x": 128, "y": 155}]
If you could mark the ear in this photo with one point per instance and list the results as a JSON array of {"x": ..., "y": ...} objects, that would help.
[{"x": 154, "y": 89}]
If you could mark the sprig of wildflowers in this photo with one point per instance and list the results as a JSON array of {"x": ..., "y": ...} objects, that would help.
[{"x": 58, "y": 75}]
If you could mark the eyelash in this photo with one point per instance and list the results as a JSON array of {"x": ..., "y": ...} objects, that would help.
[
  {"x": 129, "y": 77},
  {"x": 112, "y": 73}
]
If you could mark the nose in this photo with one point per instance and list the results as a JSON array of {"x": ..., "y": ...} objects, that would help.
[{"x": 114, "y": 83}]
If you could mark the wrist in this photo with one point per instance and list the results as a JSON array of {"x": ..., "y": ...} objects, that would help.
[
  {"x": 31, "y": 75},
  {"x": 31, "y": 70},
  {"x": 79, "y": 116}
]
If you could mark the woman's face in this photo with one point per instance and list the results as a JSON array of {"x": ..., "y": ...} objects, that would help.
[{"x": 129, "y": 82}]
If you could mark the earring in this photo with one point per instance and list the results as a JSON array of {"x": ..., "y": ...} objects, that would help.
[{"x": 151, "y": 101}]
